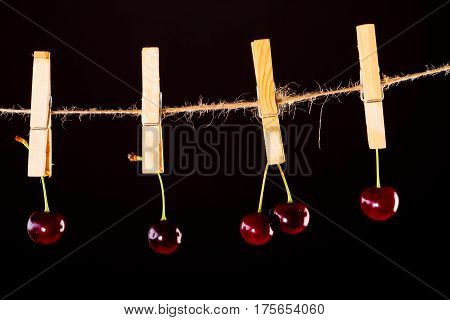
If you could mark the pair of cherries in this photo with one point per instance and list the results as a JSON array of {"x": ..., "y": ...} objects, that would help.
[{"x": 292, "y": 219}]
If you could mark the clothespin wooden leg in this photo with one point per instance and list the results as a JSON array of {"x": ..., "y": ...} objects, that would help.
[
  {"x": 372, "y": 92},
  {"x": 152, "y": 144},
  {"x": 268, "y": 109},
  {"x": 40, "y": 154}
]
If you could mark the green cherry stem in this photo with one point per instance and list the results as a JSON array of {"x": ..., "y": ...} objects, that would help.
[
  {"x": 377, "y": 163},
  {"x": 163, "y": 215},
  {"x": 44, "y": 190},
  {"x": 288, "y": 192},
  {"x": 262, "y": 189}
]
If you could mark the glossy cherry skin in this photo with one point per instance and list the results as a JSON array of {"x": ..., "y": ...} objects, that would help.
[
  {"x": 293, "y": 217},
  {"x": 255, "y": 229},
  {"x": 164, "y": 237},
  {"x": 379, "y": 204},
  {"x": 46, "y": 227}
]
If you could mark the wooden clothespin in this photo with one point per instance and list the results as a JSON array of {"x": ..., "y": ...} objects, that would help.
[
  {"x": 372, "y": 92},
  {"x": 268, "y": 109},
  {"x": 152, "y": 145},
  {"x": 40, "y": 153}
]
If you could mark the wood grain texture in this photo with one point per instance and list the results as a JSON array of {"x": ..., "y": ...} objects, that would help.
[
  {"x": 368, "y": 60},
  {"x": 371, "y": 86},
  {"x": 375, "y": 125},
  {"x": 262, "y": 60},
  {"x": 40, "y": 153},
  {"x": 150, "y": 86},
  {"x": 152, "y": 150},
  {"x": 152, "y": 143}
]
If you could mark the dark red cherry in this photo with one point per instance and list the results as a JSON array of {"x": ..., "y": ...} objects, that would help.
[
  {"x": 293, "y": 217},
  {"x": 164, "y": 237},
  {"x": 379, "y": 204},
  {"x": 46, "y": 227},
  {"x": 255, "y": 229}
]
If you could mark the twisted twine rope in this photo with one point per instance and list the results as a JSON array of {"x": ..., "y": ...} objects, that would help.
[{"x": 283, "y": 99}]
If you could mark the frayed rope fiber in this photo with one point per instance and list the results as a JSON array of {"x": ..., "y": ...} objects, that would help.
[{"x": 285, "y": 98}]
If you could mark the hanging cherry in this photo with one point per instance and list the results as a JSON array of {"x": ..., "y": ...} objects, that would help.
[
  {"x": 379, "y": 203},
  {"x": 163, "y": 237},
  {"x": 293, "y": 217},
  {"x": 44, "y": 227},
  {"x": 255, "y": 227}
]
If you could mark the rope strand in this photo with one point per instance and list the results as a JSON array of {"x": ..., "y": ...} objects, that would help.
[{"x": 283, "y": 100}]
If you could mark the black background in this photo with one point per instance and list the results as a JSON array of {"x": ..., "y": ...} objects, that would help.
[{"x": 205, "y": 50}]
